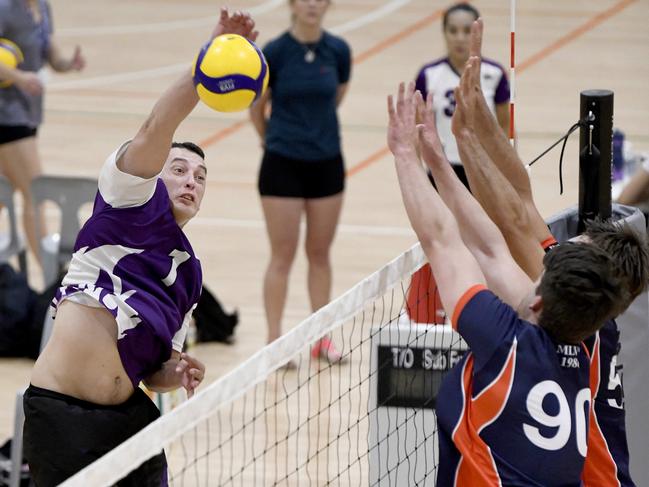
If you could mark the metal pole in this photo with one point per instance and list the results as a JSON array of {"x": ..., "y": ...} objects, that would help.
[{"x": 595, "y": 155}]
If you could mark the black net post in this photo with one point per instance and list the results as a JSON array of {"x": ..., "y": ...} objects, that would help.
[{"x": 595, "y": 155}]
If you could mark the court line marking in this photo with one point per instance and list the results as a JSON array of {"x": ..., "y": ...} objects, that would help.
[
  {"x": 363, "y": 56},
  {"x": 361, "y": 21},
  {"x": 370, "y": 17},
  {"x": 587, "y": 26},
  {"x": 258, "y": 224},
  {"x": 159, "y": 26},
  {"x": 349, "y": 229}
]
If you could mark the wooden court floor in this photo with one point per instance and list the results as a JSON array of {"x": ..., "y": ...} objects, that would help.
[{"x": 135, "y": 49}]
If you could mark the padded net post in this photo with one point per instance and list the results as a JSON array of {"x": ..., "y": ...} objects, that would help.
[{"x": 595, "y": 155}]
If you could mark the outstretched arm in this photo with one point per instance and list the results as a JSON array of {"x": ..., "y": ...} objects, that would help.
[
  {"x": 520, "y": 223},
  {"x": 147, "y": 153},
  {"x": 497, "y": 146},
  {"x": 637, "y": 190},
  {"x": 480, "y": 234},
  {"x": 455, "y": 268}
]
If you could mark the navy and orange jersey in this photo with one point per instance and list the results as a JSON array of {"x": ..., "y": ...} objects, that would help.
[
  {"x": 607, "y": 462},
  {"x": 515, "y": 410}
]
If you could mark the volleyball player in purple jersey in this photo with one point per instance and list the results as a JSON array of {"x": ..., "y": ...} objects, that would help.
[
  {"x": 123, "y": 309},
  {"x": 441, "y": 76},
  {"x": 502, "y": 186},
  {"x": 495, "y": 426}
]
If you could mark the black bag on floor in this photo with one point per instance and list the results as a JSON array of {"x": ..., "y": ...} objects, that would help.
[
  {"x": 213, "y": 324},
  {"x": 22, "y": 314},
  {"x": 17, "y": 301}
]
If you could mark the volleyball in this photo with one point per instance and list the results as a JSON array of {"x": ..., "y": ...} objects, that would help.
[
  {"x": 230, "y": 73},
  {"x": 11, "y": 56}
]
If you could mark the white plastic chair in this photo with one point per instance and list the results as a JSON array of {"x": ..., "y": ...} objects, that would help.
[
  {"x": 11, "y": 244},
  {"x": 70, "y": 194}
]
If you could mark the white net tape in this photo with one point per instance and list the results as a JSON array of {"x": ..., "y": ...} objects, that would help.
[{"x": 245, "y": 396}]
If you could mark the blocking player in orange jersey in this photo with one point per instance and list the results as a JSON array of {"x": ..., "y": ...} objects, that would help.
[
  {"x": 503, "y": 187},
  {"x": 519, "y": 400}
]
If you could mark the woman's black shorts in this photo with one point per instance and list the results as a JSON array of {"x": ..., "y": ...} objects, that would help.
[
  {"x": 293, "y": 178},
  {"x": 63, "y": 434},
  {"x": 12, "y": 133}
]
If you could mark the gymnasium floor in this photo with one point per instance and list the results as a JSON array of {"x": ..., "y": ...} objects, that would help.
[{"x": 135, "y": 49}]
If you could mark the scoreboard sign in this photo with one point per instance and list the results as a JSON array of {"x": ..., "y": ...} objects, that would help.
[{"x": 411, "y": 376}]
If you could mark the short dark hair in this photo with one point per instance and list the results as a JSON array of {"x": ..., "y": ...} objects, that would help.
[
  {"x": 580, "y": 290},
  {"x": 190, "y": 146},
  {"x": 629, "y": 251},
  {"x": 462, "y": 6}
]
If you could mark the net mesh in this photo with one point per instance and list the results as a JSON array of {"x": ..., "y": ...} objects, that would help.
[{"x": 311, "y": 422}]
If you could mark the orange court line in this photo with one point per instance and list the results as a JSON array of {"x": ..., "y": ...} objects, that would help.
[
  {"x": 368, "y": 161},
  {"x": 571, "y": 36},
  {"x": 223, "y": 133},
  {"x": 398, "y": 37},
  {"x": 530, "y": 61},
  {"x": 363, "y": 56}
]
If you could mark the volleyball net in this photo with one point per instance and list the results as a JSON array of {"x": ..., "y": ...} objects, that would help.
[{"x": 368, "y": 420}]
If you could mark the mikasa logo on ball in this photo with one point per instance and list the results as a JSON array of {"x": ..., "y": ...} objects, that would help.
[{"x": 226, "y": 85}]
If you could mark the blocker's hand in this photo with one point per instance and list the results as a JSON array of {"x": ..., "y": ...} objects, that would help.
[
  {"x": 239, "y": 23},
  {"x": 402, "y": 127},
  {"x": 466, "y": 97},
  {"x": 192, "y": 373},
  {"x": 431, "y": 145},
  {"x": 475, "y": 42}
]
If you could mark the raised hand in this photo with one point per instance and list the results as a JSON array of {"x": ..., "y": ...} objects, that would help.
[
  {"x": 192, "y": 373},
  {"x": 430, "y": 143},
  {"x": 466, "y": 97},
  {"x": 402, "y": 126},
  {"x": 239, "y": 23},
  {"x": 475, "y": 42}
]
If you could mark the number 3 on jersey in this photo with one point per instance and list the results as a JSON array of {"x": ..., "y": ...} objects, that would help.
[
  {"x": 449, "y": 109},
  {"x": 562, "y": 420}
]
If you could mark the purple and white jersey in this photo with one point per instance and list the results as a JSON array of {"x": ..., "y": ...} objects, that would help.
[
  {"x": 440, "y": 79},
  {"x": 132, "y": 258}
]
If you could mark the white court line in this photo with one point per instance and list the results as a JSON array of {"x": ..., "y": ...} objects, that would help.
[
  {"x": 118, "y": 78},
  {"x": 253, "y": 224},
  {"x": 159, "y": 26},
  {"x": 368, "y": 18},
  {"x": 363, "y": 230}
]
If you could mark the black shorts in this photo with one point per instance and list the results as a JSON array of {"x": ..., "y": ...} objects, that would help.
[
  {"x": 12, "y": 133},
  {"x": 63, "y": 434},
  {"x": 293, "y": 178},
  {"x": 459, "y": 172}
]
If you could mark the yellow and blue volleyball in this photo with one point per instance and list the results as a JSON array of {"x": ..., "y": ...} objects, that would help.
[
  {"x": 11, "y": 56},
  {"x": 230, "y": 73}
]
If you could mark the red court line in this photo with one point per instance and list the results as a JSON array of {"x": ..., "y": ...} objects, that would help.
[
  {"x": 530, "y": 61},
  {"x": 363, "y": 56}
]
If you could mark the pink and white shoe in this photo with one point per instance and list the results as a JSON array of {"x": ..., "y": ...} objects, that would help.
[{"x": 324, "y": 348}]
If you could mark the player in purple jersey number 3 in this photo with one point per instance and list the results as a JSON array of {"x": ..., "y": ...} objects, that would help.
[{"x": 124, "y": 306}]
